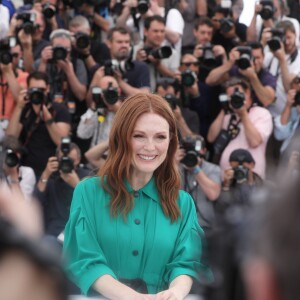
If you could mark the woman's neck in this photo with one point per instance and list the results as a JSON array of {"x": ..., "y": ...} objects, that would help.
[{"x": 139, "y": 179}]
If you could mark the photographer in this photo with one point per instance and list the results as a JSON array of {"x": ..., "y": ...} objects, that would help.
[
  {"x": 19, "y": 178},
  {"x": 187, "y": 120},
  {"x": 11, "y": 79},
  {"x": 93, "y": 53},
  {"x": 161, "y": 59},
  {"x": 28, "y": 27},
  {"x": 56, "y": 185},
  {"x": 286, "y": 124},
  {"x": 200, "y": 178},
  {"x": 247, "y": 62},
  {"x": 228, "y": 32},
  {"x": 132, "y": 75},
  {"x": 247, "y": 126},
  {"x": 105, "y": 100},
  {"x": 38, "y": 123},
  {"x": 282, "y": 61}
]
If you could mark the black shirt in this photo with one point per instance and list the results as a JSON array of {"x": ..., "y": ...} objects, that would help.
[{"x": 36, "y": 138}]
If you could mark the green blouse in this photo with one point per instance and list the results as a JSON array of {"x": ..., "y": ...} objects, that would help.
[{"x": 146, "y": 246}]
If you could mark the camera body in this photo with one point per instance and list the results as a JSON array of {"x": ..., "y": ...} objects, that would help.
[
  {"x": 48, "y": 10},
  {"x": 66, "y": 164},
  {"x": 188, "y": 78},
  {"x": 59, "y": 53},
  {"x": 143, "y": 6},
  {"x": 110, "y": 66},
  {"x": 236, "y": 100},
  {"x": 11, "y": 158},
  {"x": 208, "y": 57},
  {"x": 226, "y": 24},
  {"x": 297, "y": 98},
  {"x": 277, "y": 37},
  {"x": 28, "y": 19},
  {"x": 244, "y": 61},
  {"x": 172, "y": 100},
  {"x": 111, "y": 94},
  {"x": 5, "y": 45},
  {"x": 268, "y": 9},
  {"x": 36, "y": 96},
  {"x": 240, "y": 174},
  {"x": 159, "y": 53},
  {"x": 192, "y": 148},
  {"x": 82, "y": 40}
]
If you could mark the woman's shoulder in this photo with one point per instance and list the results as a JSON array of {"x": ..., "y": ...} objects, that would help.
[
  {"x": 89, "y": 185},
  {"x": 185, "y": 200}
]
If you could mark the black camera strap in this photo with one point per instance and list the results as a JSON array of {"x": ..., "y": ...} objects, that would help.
[{"x": 233, "y": 126}]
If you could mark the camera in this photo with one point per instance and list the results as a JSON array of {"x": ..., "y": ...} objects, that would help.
[
  {"x": 172, "y": 100},
  {"x": 208, "y": 57},
  {"x": 11, "y": 158},
  {"x": 188, "y": 78},
  {"x": 143, "y": 6},
  {"x": 244, "y": 61},
  {"x": 59, "y": 53},
  {"x": 28, "y": 19},
  {"x": 237, "y": 99},
  {"x": 110, "y": 94},
  {"x": 97, "y": 97},
  {"x": 36, "y": 95},
  {"x": 268, "y": 10},
  {"x": 110, "y": 66},
  {"x": 240, "y": 174},
  {"x": 5, "y": 45},
  {"x": 192, "y": 148},
  {"x": 82, "y": 40},
  {"x": 159, "y": 53},
  {"x": 48, "y": 10},
  {"x": 277, "y": 37},
  {"x": 297, "y": 98},
  {"x": 66, "y": 164},
  {"x": 226, "y": 24}
]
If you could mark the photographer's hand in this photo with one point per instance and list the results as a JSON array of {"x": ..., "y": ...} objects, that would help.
[
  {"x": 141, "y": 55},
  {"x": 286, "y": 113},
  {"x": 46, "y": 55},
  {"x": 51, "y": 167},
  {"x": 265, "y": 36},
  {"x": 228, "y": 179},
  {"x": 219, "y": 50},
  {"x": 198, "y": 51},
  {"x": 71, "y": 179}
]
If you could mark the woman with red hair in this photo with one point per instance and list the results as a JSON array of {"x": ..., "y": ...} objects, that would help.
[{"x": 132, "y": 232}]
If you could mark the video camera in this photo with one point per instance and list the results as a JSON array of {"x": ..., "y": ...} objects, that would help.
[
  {"x": 48, "y": 10},
  {"x": 36, "y": 96},
  {"x": 244, "y": 61},
  {"x": 82, "y": 40},
  {"x": 29, "y": 26},
  {"x": 192, "y": 148},
  {"x": 277, "y": 37},
  {"x": 159, "y": 53},
  {"x": 236, "y": 100},
  {"x": 268, "y": 9},
  {"x": 66, "y": 164},
  {"x": 5, "y": 45}
]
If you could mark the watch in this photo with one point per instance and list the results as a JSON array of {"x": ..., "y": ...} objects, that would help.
[{"x": 196, "y": 170}]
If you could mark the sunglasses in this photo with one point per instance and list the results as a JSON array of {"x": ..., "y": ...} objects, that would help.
[
  {"x": 15, "y": 54},
  {"x": 188, "y": 64}
]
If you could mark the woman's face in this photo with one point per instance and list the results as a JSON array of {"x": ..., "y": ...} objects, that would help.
[{"x": 149, "y": 142}]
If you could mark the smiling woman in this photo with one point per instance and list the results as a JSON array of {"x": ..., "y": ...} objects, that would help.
[{"x": 131, "y": 232}]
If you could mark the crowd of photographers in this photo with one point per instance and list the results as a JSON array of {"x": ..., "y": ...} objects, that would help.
[{"x": 67, "y": 66}]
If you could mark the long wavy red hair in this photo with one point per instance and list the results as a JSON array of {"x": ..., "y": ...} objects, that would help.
[{"x": 118, "y": 164}]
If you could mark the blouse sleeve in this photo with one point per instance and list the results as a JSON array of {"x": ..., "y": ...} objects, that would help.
[
  {"x": 85, "y": 261},
  {"x": 186, "y": 259}
]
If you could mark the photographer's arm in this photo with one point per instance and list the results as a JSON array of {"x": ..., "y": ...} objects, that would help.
[
  {"x": 93, "y": 155},
  {"x": 26, "y": 42},
  {"x": 253, "y": 136},
  {"x": 128, "y": 89},
  {"x": 101, "y": 22},
  {"x": 52, "y": 166},
  {"x": 14, "y": 126},
  {"x": 182, "y": 126},
  {"x": 286, "y": 76},
  {"x": 11, "y": 79},
  {"x": 286, "y": 114},
  {"x": 210, "y": 188},
  {"x": 124, "y": 16},
  {"x": 201, "y": 7},
  {"x": 215, "y": 127},
  {"x": 219, "y": 74},
  {"x": 57, "y": 131}
]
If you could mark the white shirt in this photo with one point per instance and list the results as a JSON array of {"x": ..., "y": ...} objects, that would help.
[{"x": 4, "y": 21}]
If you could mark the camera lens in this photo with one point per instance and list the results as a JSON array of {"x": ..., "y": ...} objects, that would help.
[
  {"x": 5, "y": 58},
  {"x": 143, "y": 6},
  {"x": 48, "y": 11},
  {"x": 191, "y": 159},
  {"x": 187, "y": 78},
  {"x": 274, "y": 43},
  {"x": 11, "y": 159},
  {"x": 59, "y": 53},
  {"x": 82, "y": 41},
  {"x": 66, "y": 164}
]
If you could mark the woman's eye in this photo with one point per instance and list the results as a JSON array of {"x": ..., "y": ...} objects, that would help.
[
  {"x": 138, "y": 136},
  {"x": 162, "y": 137}
]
